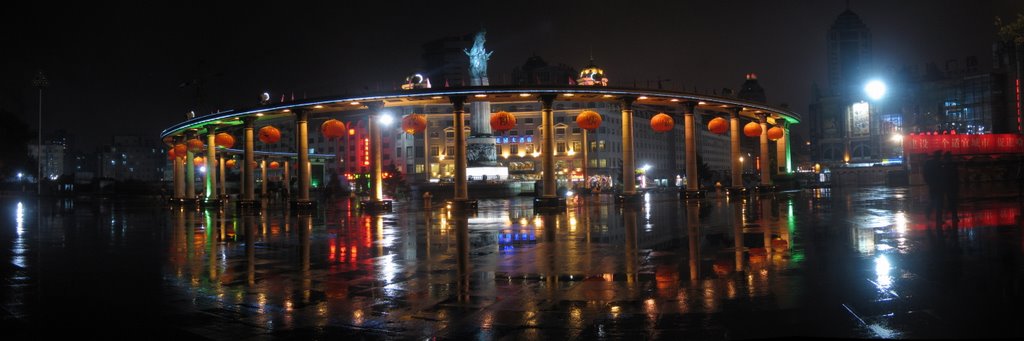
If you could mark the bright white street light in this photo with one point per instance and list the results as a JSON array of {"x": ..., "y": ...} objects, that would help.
[
  {"x": 386, "y": 119},
  {"x": 897, "y": 138},
  {"x": 646, "y": 168},
  {"x": 875, "y": 89}
]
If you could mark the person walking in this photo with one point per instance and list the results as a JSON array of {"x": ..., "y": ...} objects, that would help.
[{"x": 932, "y": 172}]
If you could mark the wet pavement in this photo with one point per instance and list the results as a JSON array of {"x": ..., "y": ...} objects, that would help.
[{"x": 864, "y": 263}]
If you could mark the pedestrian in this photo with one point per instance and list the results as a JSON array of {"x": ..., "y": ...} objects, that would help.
[
  {"x": 932, "y": 172},
  {"x": 951, "y": 180}
]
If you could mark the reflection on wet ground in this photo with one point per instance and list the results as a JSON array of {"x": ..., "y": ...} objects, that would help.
[{"x": 861, "y": 263}]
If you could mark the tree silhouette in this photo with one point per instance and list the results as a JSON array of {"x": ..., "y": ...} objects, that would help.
[{"x": 14, "y": 141}]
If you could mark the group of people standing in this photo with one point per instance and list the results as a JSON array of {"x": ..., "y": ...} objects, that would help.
[{"x": 943, "y": 180}]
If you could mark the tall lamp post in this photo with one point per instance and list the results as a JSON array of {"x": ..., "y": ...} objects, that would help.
[{"x": 40, "y": 82}]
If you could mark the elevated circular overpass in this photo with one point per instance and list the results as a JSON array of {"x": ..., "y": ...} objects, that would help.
[{"x": 350, "y": 107}]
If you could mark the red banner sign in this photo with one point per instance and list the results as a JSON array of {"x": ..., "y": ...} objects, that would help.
[{"x": 965, "y": 144}]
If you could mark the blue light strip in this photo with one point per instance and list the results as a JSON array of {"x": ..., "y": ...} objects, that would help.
[{"x": 792, "y": 117}]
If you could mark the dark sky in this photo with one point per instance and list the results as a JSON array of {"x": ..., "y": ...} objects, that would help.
[{"x": 117, "y": 68}]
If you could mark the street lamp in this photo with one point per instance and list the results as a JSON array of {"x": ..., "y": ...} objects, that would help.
[
  {"x": 40, "y": 82},
  {"x": 875, "y": 89}
]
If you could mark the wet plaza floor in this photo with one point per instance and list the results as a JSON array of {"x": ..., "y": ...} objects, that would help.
[{"x": 857, "y": 263}]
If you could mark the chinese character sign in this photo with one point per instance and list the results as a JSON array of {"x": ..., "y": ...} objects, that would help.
[{"x": 965, "y": 144}]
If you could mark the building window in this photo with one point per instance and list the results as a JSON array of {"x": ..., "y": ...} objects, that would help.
[
  {"x": 513, "y": 149},
  {"x": 435, "y": 151},
  {"x": 451, "y": 150},
  {"x": 398, "y": 152},
  {"x": 419, "y": 168},
  {"x": 576, "y": 130},
  {"x": 529, "y": 120},
  {"x": 560, "y": 119},
  {"x": 513, "y": 133},
  {"x": 576, "y": 145},
  {"x": 560, "y": 147},
  {"x": 449, "y": 134},
  {"x": 560, "y": 131}
]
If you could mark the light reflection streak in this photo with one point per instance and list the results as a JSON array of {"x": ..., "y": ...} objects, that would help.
[
  {"x": 882, "y": 269},
  {"x": 19, "y": 242}
]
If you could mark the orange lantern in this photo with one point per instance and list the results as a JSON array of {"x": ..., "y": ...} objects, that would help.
[
  {"x": 502, "y": 121},
  {"x": 224, "y": 140},
  {"x": 274, "y": 165},
  {"x": 332, "y": 128},
  {"x": 170, "y": 154},
  {"x": 194, "y": 145},
  {"x": 269, "y": 134},
  {"x": 180, "y": 150},
  {"x": 230, "y": 163},
  {"x": 775, "y": 133},
  {"x": 718, "y": 125},
  {"x": 662, "y": 123},
  {"x": 589, "y": 120},
  {"x": 198, "y": 161},
  {"x": 415, "y": 123},
  {"x": 752, "y": 129}
]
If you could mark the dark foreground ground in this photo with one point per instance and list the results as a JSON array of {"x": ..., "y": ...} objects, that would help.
[{"x": 862, "y": 263}]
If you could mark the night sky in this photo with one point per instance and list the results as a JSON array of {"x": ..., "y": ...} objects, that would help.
[{"x": 118, "y": 68}]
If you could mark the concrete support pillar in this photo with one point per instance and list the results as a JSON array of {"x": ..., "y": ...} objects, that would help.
[
  {"x": 179, "y": 177},
  {"x": 766, "y": 172},
  {"x": 628, "y": 166},
  {"x": 782, "y": 149},
  {"x": 690, "y": 137},
  {"x": 302, "y": 146},
  {"x": 547, "y": 128},
  {"x": 287, "y": 182},
  {"x": 376, "y": 178},
  {"x": 248, "y": 173},
  {"x": 586, "y": 160},
  {"x": 458, "y": 111},
  {"x": 263, "y": 178},
  {"x": 734, "y": 140},
  {"x": 190, "y": 173},
  {"x": 211, "y": 165},
  {"x": 179, "y": 173},
  {"x": 221, "y": 177}
]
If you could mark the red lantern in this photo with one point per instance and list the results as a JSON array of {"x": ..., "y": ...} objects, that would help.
[
  {"x": 752, "y": 129},
  {"x": 170, "y": 154},
  {"x": 502, "y": 121},
  {"x": 180, "y": 150},
  {"x": 589, "y": 120},
  {"x": 224, "y": 140},
  {"x": 194, "y": 145},
  {"x": 274, "y": 165},
  {"x": 332, "y": 128},
  {"x": 230, "y": 163},
  {"x": 269, "y": 134},
  {"x": 775, "y": 133},
  {"x": 198, "y": 161},
  {"x": 718, "y": 125},
  {"x": 662, "y": 123},
  {"x": 416, "y": 123}
]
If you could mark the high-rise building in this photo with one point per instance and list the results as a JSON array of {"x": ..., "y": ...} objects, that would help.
[{"x": 849, "y": 54}]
